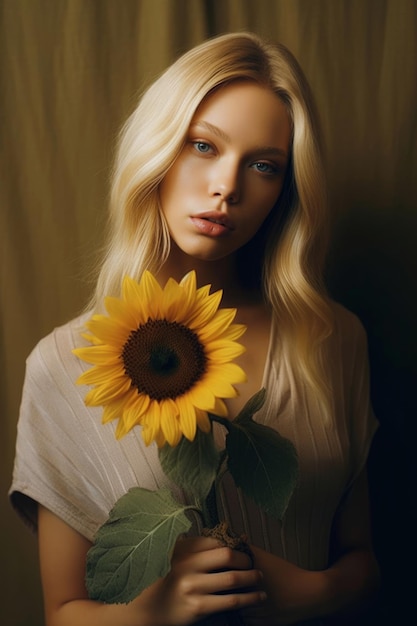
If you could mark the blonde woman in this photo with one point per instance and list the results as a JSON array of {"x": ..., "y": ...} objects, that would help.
[{"x": 219, "y": 170}]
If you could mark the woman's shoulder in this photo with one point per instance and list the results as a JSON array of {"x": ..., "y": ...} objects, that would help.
[
  {"x": 349, "y": 336},
  {"x": 346, "y": 322},
  {"x": 52, "y": 359}
]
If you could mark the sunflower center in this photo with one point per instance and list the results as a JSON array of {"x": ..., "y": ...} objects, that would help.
[{"x": 163, "y": 359}]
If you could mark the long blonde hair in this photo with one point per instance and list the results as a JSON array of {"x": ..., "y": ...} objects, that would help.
[{"x": 296, "y": 242}]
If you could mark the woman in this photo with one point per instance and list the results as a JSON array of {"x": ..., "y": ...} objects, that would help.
[{"x": 219, "y": 170}]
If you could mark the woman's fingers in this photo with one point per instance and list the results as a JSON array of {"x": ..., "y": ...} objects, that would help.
[
  {"x": 213, "y": 559},
  {"x": 207, "y": 578},
  {"x": 230, "y": 601},
  {"x": 221, "y": 582}
]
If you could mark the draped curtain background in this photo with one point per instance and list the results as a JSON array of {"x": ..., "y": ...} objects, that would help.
[{"x": 70, "y": 72}]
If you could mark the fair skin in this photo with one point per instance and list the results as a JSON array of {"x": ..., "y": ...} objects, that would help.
[{"x": 220, "y": 189}]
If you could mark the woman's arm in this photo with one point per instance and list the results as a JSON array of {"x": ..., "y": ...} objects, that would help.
[
  {"x": 200, "y": 570},
  {"x": 295, "y": 594}
]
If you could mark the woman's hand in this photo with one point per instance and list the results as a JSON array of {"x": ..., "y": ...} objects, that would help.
[
  {"x": 346, "y": 586},
  {"x": 205, "y": 578}
]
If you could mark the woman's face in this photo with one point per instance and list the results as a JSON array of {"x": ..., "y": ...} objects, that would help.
[{"x": 230, "y": 172}]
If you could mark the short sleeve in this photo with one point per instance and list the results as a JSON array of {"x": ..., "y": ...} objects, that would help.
[
  {"x": 66, "y": 459},
  {"x": 362, "y": 423}
]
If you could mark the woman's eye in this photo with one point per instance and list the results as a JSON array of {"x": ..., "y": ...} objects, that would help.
[
  {"x": 264, "y": 168},
  {"x": 202, "y": 146}
]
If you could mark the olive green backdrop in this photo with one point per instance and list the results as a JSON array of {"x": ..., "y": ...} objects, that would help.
[{"x": 70, "y": 71}]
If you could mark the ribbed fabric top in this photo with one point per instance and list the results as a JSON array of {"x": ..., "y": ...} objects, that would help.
[{"x": 73, "y": 465}]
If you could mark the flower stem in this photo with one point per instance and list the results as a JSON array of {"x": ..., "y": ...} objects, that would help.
[
  {"x": 220, "y": 420},
  {"x": 210, "y": 512}
]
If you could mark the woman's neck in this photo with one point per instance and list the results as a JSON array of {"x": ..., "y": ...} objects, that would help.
[{"x": 220, "y": 274}]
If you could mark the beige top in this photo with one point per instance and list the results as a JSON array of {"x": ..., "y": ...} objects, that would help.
[{"x": 72, "y": 464}]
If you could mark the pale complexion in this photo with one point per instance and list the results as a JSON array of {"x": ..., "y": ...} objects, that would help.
[
  {"x": 219, "y": 191},
  {"x": 228, "y": 176},
  {"x": 222, "y": 186}
]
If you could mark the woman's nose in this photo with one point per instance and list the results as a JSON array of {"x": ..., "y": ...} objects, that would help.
[{"x": 225, "y": 183}]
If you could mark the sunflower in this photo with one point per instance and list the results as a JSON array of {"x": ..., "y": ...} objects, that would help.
[{"x": 162, "y": 358}]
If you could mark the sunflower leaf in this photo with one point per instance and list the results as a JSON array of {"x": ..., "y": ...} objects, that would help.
[
  {"x": 133, "y": 548},
  {"x": 252, "y": 406},
  {"x": 262, "y": 462},
  {"x": 192, "y": 465}
]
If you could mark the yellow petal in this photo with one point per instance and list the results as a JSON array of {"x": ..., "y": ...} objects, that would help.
[
  {"x": 220, "y": 408},
  {"x": 103, "y": 375},
  {"x": 233, "y": 332},
  {"x": 91, "y": 338},
  {"x": 151, "y": 422},
  {"x": 134, "y": 298},
  {"x": 121, "y": 312},
  {"x": 230, "y": 372},
  {"x": 216, "y": 325},
  {"x": 102, "y": 394},
  {"x": 219, "y": 387},
  {"x": 98, "y": 354},
  {"x": 152, "y": 294},
  {"x": 112, "y": 411},
  {"x": 205, "y": 311},
  {"x": 169, "y": 422},
  {"x": 202, "y": 397},
  {"x": 107, "y": 330},
  {"x": 189, "y": 282},
  {"x": 172, "y": 301},
  {"x": 187, "y": 417},
  {"x": 203, "y": 420},
  {"x": 224, "y": 351}
]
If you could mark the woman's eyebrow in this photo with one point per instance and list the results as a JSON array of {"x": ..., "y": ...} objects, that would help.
[
  {"x": 213, "y": 129},
  {"x": 272, "y": 150}
]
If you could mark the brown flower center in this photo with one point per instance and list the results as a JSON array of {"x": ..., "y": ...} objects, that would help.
[{"x": 163, "y": 359}]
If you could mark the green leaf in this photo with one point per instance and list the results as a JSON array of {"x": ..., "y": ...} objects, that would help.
[
  {"x": 192, "y": 465},
  {"x": 133, "y": 548},
  {"x": 262, "y": 462},
  {"x": 252, "y": 406}
]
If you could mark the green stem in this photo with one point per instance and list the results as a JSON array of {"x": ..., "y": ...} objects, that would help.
[
  {"x": 220, "y": 420},
  {"x": 210, "y": 516},
  {"x": 209, "y": 509}
]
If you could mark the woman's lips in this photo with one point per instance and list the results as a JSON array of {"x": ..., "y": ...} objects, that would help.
[{"x": 212, "y": 224}]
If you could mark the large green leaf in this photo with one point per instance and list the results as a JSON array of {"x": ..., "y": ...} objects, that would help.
[
  {"x": 262, "y": 463},
  {"x": 133, "y": 548},
  {"x": 192, "y": 465}
]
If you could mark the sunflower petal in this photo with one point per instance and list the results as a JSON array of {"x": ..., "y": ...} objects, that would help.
[
  {"x": 214, "y": 327},
  {"x": 102, "y": 375},
  {"x": 169, "y": 422},
  {"x": 121, "y": 312},
  {"x": 152, "y": 294},
  {"x": 172, "y": 301},
  {"x": 112, "y": 411},
  {"x": 101, "y": 394},
  {"x": 187, "y": 417},
  {"x": 107, "y": 330},
  {"x": 205, "y": 311},
  {"x": 203, "y": 421},
  {"x": 91, "y": 338},
  {"x": 224, "y": 351},
  {"x": 133, "y": 296},
  {"x": 152, "y": 424},
  {"x": 220, "y": 408},
  {"x": 233, "y": 332},
  {"x": 98, "y": 354},
  {"x": 219, "y": 387},
  {"x": 133, "y": 413},
  {"x": 202, "y": 397}
]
